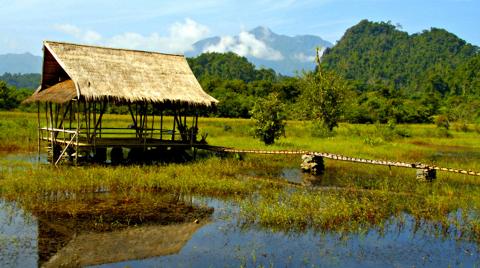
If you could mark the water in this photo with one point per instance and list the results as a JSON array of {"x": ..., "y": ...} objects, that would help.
[
  {"x": 29, "y": 158},
  {"x": 18, "y": 234},
  {"x": 221, "y": 240},
  {"x": 187, "y": 231}
]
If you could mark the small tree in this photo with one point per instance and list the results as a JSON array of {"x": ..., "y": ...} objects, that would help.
[
  {"x": 8, "y": 98},
  {"x": 269, "y": 119},
  {"x": 322, "y": 97}
]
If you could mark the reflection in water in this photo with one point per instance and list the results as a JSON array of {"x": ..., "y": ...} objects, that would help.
[
  {"x": 131, "y": 235},
  {"x": 109, "y": 229},
  {"x": 18, "y": 232}
]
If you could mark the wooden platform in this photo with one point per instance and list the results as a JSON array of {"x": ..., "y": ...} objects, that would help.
[{"x": 125, "y": 142}]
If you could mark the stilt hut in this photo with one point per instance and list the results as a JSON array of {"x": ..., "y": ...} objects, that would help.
[{"x": 80, "y": 83}]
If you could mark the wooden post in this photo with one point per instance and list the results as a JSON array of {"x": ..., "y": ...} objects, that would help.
[
  {"x": 71, "y": 116},
  {"x": 161, "y": 124},
  {"x": 63, "y": 125},
  {"x": 136, "y": 120},
  {"x": 133, "y": 118},
  {"x": 94, "y": 124},
  {"x": 78, "y": 132},
  {"x": 88, "y": 121},
  {"x": 52, "y": 148},
  {"x": 174, "y": 120},
  {"x": 153, "y": 120},
  {"x": 145, "y": 126},
  {"x": 38, "y": 131}
]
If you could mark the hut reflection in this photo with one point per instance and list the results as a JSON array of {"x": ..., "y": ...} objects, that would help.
[{"x": 98, "y": 231}]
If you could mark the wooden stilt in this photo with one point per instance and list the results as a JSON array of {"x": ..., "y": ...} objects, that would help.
[
  {"x": 52, "y": 144},
  {"x": 38, "y": 131},
  {"x": 174, "y": 120},
  {"x": 153, "y": 121},
  {"x": 78, "y": 132},
  {"x": 161, "y": 125}
]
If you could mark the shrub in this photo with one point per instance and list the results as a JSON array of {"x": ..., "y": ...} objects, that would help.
[
  {"x": 443, "y": 133},
  {"x": 461, "y": 126},
  {"x": 320, "y": 130},
  {"x": 442, "y": 121},
  {"x": 269, "y": 119}
]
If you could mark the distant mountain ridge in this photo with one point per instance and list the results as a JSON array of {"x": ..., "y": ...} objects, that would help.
[
  {"x": 20, "y": 63},
  {"x": 285, "y": 54}
]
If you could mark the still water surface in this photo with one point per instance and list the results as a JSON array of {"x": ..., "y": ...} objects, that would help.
[
  {"x": 221, "y": 240},
  {"x": 216, "y": 237}
]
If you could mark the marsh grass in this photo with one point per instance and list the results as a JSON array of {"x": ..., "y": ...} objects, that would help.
[
  {"x": 213, "y": 177},
  {"x": 347, "y": 197}
]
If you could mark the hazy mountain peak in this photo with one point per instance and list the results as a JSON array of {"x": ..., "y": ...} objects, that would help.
[
  {"x": 265, "y": 48},
  {"x": 261, "y": 32}
]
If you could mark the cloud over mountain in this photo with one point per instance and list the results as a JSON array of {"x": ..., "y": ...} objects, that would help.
[
  {"x": 284, "y": 54},
  {"x": 245, "y": 44}
]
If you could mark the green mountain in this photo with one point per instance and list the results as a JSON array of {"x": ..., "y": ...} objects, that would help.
[
  {"x": 227, "y": 66},
  {"x": 28, "y": 81},
  {"x": 379, "y": 53}
]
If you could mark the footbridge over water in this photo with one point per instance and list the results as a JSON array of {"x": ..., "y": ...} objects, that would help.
[{"x": 313, "y": 161}]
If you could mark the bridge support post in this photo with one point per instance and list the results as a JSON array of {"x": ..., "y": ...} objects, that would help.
[
  {"x": 426, "y": 174},
  {"x": 313, "y": 164}
]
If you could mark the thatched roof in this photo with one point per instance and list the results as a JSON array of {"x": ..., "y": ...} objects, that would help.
[{"x": 99, "y": 73}]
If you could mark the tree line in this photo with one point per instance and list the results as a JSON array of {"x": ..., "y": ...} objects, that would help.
[{"x": 381, "y": 73}]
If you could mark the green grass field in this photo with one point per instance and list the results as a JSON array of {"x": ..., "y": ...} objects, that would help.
[{"x": 348, "y": 196}]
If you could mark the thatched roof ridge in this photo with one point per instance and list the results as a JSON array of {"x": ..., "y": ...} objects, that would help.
[{"x": 100, "y": 73}]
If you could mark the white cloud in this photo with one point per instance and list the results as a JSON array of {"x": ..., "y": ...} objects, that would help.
[
  {"x": 245, "y": 45},
  {"x": 87, "y": 36},
  {"x": 180, "y": 37}
]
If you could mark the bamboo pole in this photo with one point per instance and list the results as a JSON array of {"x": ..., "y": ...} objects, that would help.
[
  {"x": 174, "y": 120},
  {"x": 51, "y": 132},
  {"x": 99, "y": 122},
  {"x": 38, "y": 131},
  {"x": 153, "y": 120},
  {"x": 78, "y": 132},
  {"x": 71, "y": 116},
  {"x": 161, "y": 124},
  {"x": 136, "y": 120},
  {"x": 94, "y": 124},
  {"x": 63, "y": 125},
  {"x": 88, "y": 121}
]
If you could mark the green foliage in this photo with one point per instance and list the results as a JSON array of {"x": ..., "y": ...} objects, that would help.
[
  {"x": 370, "y": 52},
  {"x": 319, "y": 130},
  {"x": 322, "y": 98},
  {"x": 442, "y": 121},
  {"x": 422, "y": 73},
  {"x": 269, "y": 117},
  {"x": 227, "y": 66},
  {"x": 10, "y": 98},
  {"x": 387, "y": 74},
  {"x": 237, "y": 84},
  {"x": 28, "y": 81}
]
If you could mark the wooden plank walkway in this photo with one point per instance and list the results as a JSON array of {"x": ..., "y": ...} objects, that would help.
[{"x": 344, "y": 158}]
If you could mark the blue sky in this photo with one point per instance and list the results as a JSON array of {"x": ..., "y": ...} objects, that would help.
[{"x": 172, "y": 26}]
